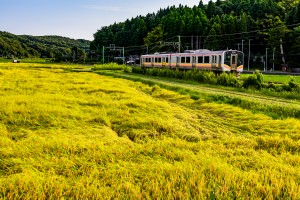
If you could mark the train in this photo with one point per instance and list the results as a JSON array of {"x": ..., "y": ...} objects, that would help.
[{"x": 202, "y": 59}]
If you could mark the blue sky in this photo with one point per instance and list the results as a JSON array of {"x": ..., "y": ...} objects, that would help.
[{"x": 78, "y": 19}]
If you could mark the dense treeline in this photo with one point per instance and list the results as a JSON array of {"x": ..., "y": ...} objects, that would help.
[
  {"x": 269, "y": 25},
  {"x": 55, "y": 48}
]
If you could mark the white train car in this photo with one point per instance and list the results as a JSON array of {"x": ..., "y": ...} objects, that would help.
[{"x": 225, "y": 61}]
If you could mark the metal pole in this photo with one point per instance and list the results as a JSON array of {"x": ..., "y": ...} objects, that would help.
[
  {"x": 179, "y": 43},
  {"x": 238, "y": 46},
  {"x": 103, "y": 55},
  {"x": 266, "y": 59},
  {"x": 243, "y": 45},
  {"x": 192, "y": 42},
  {"x": 249, "y": 56},
  {"x": 273, "y": 57},
  {"x": 123, "y": 56}
]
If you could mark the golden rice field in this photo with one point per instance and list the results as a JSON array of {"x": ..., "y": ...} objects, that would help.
[{"x": 66, "y": 135}]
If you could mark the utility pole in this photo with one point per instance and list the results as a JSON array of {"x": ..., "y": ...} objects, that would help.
[
  {"x": 238, "y": 46},
  {"x": 103, "y": 55},
  {"x": 249, "y": 56},
  {"x": 281, "y": 51},
  {"x": 266, "y": 59},
  {"x": 192, "y": 42},
  {"x": 123, "y": 55},
  {"x": 179, "y": 43},
  {"x": 197, "y": 43},
  {"x": 273, "y": 57},
  {"x": 243, "y": 45},
  {"x": 73, "y": 56}
]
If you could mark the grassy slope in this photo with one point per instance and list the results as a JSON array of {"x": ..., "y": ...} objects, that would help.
[
  {"x": 254, "y": 100},
  {"x": 81, "y": 135},
  {"x": 277, "y": 78}
]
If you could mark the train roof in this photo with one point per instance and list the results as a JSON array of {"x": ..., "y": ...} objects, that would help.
[{"x": 199, "y": 51}]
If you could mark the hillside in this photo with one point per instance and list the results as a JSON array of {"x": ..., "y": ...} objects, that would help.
[
  {"x": 229, "y": 24},
  {"x": 40, "y": 46}
]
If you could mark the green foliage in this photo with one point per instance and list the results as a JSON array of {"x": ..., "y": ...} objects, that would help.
[
  {"x": 109, "y": 66},
  {"x": 52, "y": 47},
  {"x": 254, "y": 81},
  {"x": 154, "y": 38},
  {"x": 217, "y": 23},
  {"x": 228, "y": 80},
  {"x": 196, "y": 75}
]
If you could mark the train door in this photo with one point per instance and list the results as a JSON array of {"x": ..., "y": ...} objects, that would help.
[
  {"x": 214, "y": 62},
  {"x": 194, "y": 61},
  {"x": 220, "y": 61},
  {"x": 178, "y": 61},
  {"x": 233, "y": 61}
]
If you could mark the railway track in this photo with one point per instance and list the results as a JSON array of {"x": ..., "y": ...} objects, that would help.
[{"x": 213, "y": 91}]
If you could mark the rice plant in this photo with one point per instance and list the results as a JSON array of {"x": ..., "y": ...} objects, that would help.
[{"x": 70, "y": 135}]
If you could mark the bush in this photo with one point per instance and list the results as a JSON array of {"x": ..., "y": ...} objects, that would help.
[
  {"x": 109, "y": 66},
  {"x": 254, "y": 81},
  {"x": 128, "y": 69},
  {"x": 293, "y": 86},
  {"x": 228, "y": 80}
]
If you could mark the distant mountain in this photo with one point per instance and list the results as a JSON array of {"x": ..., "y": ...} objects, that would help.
[{"x": 57, "y": 47}]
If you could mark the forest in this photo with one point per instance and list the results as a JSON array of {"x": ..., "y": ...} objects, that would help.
[
  {"x": 262, "y": 28},
  {"x": 55, "y": 48}
]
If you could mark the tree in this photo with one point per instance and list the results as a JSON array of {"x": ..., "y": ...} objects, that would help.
[{"x": 154, "y": 38}]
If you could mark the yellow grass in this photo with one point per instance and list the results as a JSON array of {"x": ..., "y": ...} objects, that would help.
[{"x": 84, "y": 136}]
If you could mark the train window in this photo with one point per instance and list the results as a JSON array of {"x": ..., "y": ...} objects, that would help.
[
  {"x": 167, "y": 59},
  {"x": 206, "y": 59},
  {"x": 233, "y": 59},
  {"x": 227, "y": 58},
  {"x": 178, "y": 59},
  {"x": 200, "y": 59},
  {"x": 188, "y": 59},
  {"x": 159, "y": 60},
  {"x": 182, "y": 59},
  {"x": 155, "y": 60}
]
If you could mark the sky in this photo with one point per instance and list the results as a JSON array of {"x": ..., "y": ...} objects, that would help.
[{"x": 77, "y": 19}]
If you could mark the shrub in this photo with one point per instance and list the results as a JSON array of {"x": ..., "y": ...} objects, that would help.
[
  {"x": 109, "y": 66},
  {"x": 128, "y": 69},
  {"x": 254, "y": 81},
  {"x": 293, "y": 86},
  {"x": 228, "y": 80}
]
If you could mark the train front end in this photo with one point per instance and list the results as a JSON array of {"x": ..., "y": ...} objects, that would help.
[{"x": 234, "y": 60}]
